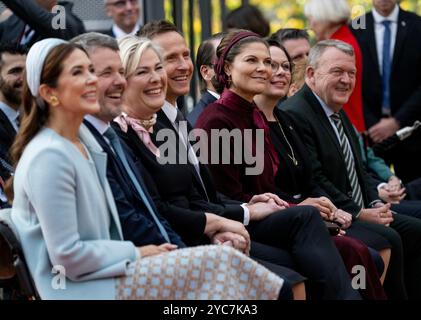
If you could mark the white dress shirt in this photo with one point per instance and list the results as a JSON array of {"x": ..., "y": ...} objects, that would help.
[
  {"x": 98, "y": 124},
  {"x": 328, "y": 113},
  {"x": 119, "y": 33},
  {"x": 379, "y": 29},
  {"x": 213, "y": 93}
]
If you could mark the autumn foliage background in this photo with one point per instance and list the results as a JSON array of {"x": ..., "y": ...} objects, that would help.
[{"x": 280, "y": 13}]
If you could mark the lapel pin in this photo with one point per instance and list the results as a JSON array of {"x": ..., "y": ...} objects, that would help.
[{"x": 403, "y": 23}]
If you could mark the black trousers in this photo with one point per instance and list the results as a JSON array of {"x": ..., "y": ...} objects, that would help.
[
  {"x": 301, "y": 232},
  {"x": 413, "y": 189},
  {"x": 409, "y": 229},
  {"x": 394, "y": 284},
  {"x": 403, "y": 279},
  {"x": 410, "y": 208},
  {"x": 406, "y": 158}
]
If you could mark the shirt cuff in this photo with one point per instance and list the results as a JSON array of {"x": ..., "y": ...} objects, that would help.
[
  {"x": 246, "y": 219},
  {"x": 381, "y": 185},
  {"x": 373, "y": 203}
]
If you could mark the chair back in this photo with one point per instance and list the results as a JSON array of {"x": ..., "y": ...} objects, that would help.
[{"x": 13, "y": 267}]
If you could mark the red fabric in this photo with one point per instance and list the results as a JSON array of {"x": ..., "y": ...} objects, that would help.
[
  {"x": 260, "y": 122},
  {"x": 353, "y": 253},
  {"x": 354, "y": 107}
]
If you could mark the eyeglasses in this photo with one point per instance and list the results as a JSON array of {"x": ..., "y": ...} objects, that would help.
[
  {"x": 122, "y": 3},
  {"x": 285, "y": 66}
]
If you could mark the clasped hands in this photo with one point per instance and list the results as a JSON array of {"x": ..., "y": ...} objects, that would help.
[
  {"x": 234, "y": 234},
  {"x": 329, "y": 212},
  {"x": 393, "y": 191}
]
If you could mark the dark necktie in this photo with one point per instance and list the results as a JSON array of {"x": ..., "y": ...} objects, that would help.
[
  {"x": 17, "y": 121},
  {"x": 349, "y": 161},
  {"x": 8, "y": 167},
  {"x": 386, "y": 68},
  {"x": 111, "y": 135},
  {"x": 190, "y": 152}
]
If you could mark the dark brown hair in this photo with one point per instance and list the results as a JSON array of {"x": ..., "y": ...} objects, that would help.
[
  {"x": 14, "y": 49},
  {"x": 248, "y": 17},
  {"x": 35, "y": 111},
  {"x": 206, "y": 54}
]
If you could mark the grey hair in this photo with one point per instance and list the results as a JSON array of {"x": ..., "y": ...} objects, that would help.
[
  {"x": 336, "y": 11},
  {"x": 131, "y": 50},
  {"x": 319, "y": 48},
  {"x": 92, "y": 40}
]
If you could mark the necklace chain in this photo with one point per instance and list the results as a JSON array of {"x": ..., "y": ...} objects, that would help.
[{"x": 292, "y": 155}]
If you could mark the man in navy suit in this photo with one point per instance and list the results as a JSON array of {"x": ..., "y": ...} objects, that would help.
[
  {"x": 138, "y": 223},
  {"x": 209, "y": 87},
  {"x": 391, "y": 79}
]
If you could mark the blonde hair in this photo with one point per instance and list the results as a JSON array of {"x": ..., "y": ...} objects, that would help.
[
  {"x": 131, "y": 50},
  {"x": 336, "y": 11}
]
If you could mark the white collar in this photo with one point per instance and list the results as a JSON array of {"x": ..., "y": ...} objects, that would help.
[
  {"x": 119, "y": 33},
  {"x": 98, "y": 124},
  {"x": 10, "y": 113},
  {"x": 393, "y": 16},
  {"x": 213, "y": 93},
  {"x": 170, "y": 111}
]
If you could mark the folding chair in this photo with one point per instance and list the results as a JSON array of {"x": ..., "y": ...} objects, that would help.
[{"x": 13, "y": 268}]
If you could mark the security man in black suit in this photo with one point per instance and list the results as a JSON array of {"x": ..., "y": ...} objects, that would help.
[{"x": 389, "y": 40}]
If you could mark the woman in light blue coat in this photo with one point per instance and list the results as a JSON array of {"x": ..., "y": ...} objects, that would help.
[{"x": 66, "y": 217}]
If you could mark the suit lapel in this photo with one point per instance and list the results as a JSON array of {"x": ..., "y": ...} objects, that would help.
[
  {"x": 371, "y": 40},
  {"x": 164, "y": 122},
  {"x": 403, "y": 26},
  {"x": 317, "y": 108},
  {"x": 6, "y": 127},
  {"x": 100, "y": 159},
  {"x": 208, "y": 99}
]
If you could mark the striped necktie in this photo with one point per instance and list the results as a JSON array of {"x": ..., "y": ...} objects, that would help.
[{"x": 349, "y": 161}]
